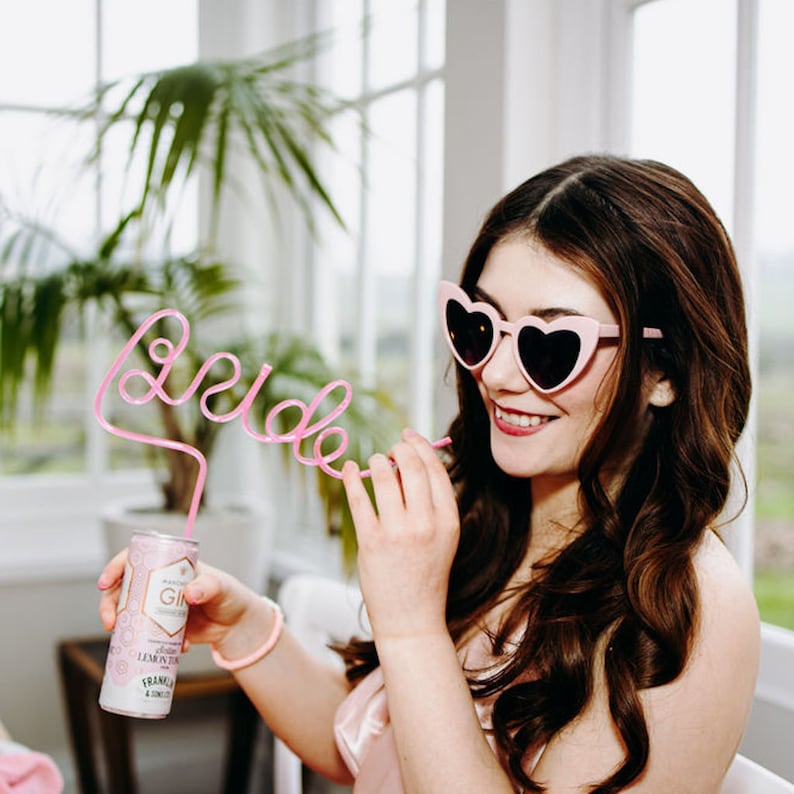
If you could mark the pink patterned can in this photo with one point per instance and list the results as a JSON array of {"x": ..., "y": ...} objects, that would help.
[{"x": 142, "y": 661}]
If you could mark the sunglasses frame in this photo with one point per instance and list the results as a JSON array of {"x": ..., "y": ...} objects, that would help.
[{"x": 589, "y": 331}]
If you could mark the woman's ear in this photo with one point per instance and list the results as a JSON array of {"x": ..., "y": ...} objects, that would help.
[{"x": 662, "y": 391}]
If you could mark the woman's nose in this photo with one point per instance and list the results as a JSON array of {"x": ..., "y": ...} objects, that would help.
[{"x": 501, "y": 372}]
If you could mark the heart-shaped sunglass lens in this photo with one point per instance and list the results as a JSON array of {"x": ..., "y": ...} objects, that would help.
[
  {"x": 548, "y": 358},
  {"x": 471, "y": 333}
]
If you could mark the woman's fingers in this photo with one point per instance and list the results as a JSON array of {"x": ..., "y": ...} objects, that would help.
[
  {"x": 107, "y": 608},
  {"x": 113, "y": 572},
  {"x": 388, "y": 481},
  {"x": 411, "y": 478},
  {"x": 357, "y": 497},
  {"x": 109, "y": 583},
  {"x": 204, "y": 588},
  {"x": 218, "y": 602},
  {"x": 441, "y": 492}
]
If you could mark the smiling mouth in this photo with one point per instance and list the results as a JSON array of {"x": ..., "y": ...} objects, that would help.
[{"x": 521, "y": 420}]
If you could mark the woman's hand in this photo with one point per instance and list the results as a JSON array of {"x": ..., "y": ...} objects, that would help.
[
  {"x": 406, "y": 547},
  {"x": 222, "y": 609}
]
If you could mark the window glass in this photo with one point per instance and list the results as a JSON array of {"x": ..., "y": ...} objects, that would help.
[
  {"x": 774, "y": 289},
  {"x": 54, "y": 442},
  {"x": 47, "y": 51},
  {"x": 43, "y": 176},
  {"x": 336, "y": 258},
  {"x": 147, "y": 35},
  {"x": 341, "y": 64},
  {"x": 393, "y": 42},
  {"x": 433, "y": 52},
  {"x": 391, "y": 249},
  {"x": 432, "y": 171},
  {"x": 43, "y": 182}
]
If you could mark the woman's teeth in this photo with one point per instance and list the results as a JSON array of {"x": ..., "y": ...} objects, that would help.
[{"x": 521, "y": 420}]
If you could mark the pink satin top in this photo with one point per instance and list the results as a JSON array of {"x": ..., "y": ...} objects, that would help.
[{"x": 364, "y": 734}]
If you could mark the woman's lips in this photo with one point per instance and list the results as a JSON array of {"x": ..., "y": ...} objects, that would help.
[{"x": 519, "y": 424}]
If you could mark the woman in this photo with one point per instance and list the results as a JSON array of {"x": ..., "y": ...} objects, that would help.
[{"x": 552, "y": 610}]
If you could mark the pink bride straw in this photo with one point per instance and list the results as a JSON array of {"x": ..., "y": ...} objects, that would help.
[
  {"x": 166, "y": 443},
  {"x": 164, "y": 353}
]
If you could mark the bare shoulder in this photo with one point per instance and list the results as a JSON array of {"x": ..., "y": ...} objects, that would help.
[
  {"x": 727, "y": 643},
  {"x": 695, "y": 722},
  {"x": 728, "y": 610},
  {"x": 702, "y": 714}
]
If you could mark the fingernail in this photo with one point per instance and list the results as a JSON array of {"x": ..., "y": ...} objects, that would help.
[
  {"x": 102, "y": 583},
  {"x": 409, "y": 433},
  {"x": 194, "y": 596}
]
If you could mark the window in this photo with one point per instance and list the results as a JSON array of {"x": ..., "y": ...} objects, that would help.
[
  {"x": 366, "y": 293},
  {"x": 374, "y": 283},
  {"x": 693, "y": 112}
]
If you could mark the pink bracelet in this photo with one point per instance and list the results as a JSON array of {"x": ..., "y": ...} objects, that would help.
[{"x": 262, "y": 651}]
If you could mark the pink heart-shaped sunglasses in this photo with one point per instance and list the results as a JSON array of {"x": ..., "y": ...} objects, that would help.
[{"x": 549, "y": 354}]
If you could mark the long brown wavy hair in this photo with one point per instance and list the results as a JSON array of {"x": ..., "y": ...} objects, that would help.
[{"x": 652, "y": 244}]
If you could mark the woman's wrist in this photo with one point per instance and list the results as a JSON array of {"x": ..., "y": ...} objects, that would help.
[
  {"x": 249, "y": 632},
  {"x": 270, "y": 641}
]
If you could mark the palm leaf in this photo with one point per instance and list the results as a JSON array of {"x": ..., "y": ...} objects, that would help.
[
  {"x": 49, "y": 300},
  {"x": 192, "y": 109},
  {"x": 30, "y": 247},
  {"x": 199, "y": 289},
  {"x": 219, "y": 159},
  {"x": 199, "y": 85},
  {"x": 14, "y": 335}
]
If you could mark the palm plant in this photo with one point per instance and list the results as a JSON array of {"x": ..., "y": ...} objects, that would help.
[
  {"x": 193, "y": 114},
  {"x": 180, "y": 121}
]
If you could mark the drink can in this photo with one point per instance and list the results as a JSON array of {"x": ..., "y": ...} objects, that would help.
[{"x": 142, "y": 661}]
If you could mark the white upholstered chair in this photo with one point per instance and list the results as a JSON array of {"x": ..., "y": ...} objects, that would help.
[
  {"x": 318, "y": 610},
  {"x": 748, "y": 777}
]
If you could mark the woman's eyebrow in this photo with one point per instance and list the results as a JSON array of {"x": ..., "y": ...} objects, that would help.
[
  {"x": 479, "y": 294},
  {"x": 547, "y": 313}
]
